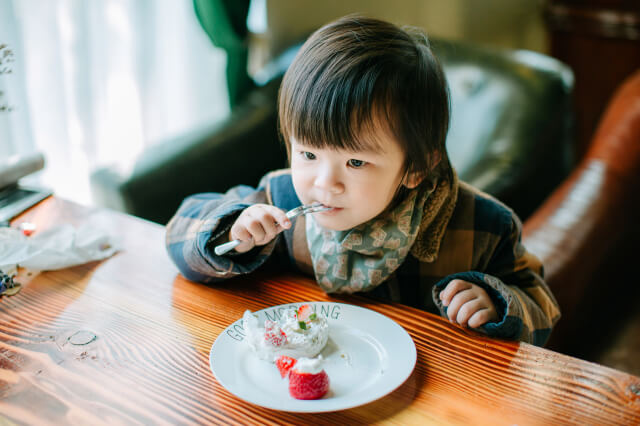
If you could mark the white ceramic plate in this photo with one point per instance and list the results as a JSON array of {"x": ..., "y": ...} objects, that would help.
[{"x": 367, "y": 356}]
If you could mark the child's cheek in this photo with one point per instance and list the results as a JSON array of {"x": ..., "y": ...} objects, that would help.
[{"x": 300, "y": 185}]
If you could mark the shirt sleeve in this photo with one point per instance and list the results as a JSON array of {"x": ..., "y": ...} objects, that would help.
[
  {"x": 204, "y": 218},
  {"x": 513, "y": 278}
]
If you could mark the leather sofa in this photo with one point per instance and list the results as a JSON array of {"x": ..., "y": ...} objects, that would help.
[{"x": 586, "y": 234}]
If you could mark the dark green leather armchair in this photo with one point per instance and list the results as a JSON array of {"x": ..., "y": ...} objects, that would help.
[{"x": 509, "y": 136}]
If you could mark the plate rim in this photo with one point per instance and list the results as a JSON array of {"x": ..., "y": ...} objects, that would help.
[{"x": 412, "y": 356}]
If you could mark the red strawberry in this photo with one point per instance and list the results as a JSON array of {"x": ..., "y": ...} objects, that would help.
[
  {"x": 274, "y": 334},
  {"x": 305, "y": 313},
  {"x": 308, "y": 385},
  {"x": 284, "y": 364}
]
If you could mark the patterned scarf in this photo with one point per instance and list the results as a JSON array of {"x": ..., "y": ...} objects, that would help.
[{"x": 363, "y": 257}]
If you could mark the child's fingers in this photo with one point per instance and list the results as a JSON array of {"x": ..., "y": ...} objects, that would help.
[
  {"x": 456, "y": 303},
  {"x": 274, "y": 220},
  {"x": 454, "y": 287},
  {"x": 467, "y": 304},
  {"x": 248, "y": 230},
  {"x": 256, "y": 228},
  {"x": 263, "y": 223},
  {"x": 280, "y": 218},
  {"x": 480, "y": 317},
  {"x": 258, "y": 225},
  {"x": 469, "y": 309},
  {"x": 240, "y": 232}
]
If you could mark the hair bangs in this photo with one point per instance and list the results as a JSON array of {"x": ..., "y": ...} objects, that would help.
[{"x": 337, "y": 113}]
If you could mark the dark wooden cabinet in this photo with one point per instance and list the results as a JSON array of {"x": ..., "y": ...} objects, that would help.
[{"x": 600, "y": 40}]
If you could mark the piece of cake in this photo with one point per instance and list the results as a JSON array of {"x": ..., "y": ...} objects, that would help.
[{"x": 298, "y": 333}]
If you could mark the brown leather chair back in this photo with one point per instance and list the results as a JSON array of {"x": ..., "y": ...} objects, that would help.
[{"x": 587, "y": 232}]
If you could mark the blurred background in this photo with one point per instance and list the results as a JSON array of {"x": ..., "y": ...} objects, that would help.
[{"x": 92, "y": 84}]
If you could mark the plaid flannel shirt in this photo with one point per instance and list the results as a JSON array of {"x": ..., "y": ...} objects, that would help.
[{"x": 481, "y": 245}]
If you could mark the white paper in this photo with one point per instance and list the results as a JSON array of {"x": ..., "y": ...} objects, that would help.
[{"x": 55, "y": 248}]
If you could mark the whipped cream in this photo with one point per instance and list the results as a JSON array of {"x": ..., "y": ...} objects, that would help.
[
  {"x": 285, "y": 336},
  {"x": 309, "y": 365}
]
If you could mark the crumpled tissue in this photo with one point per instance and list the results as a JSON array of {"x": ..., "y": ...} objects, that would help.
[{"x": 58, "y": 247}]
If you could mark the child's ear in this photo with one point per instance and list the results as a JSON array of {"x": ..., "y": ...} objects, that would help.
[{"x": 412, "y": 180}]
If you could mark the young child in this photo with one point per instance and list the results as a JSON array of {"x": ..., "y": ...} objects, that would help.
[{"x": 364, "y": 114}]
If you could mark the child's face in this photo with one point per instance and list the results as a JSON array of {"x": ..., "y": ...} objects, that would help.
[{"x": 358, "y": 185}]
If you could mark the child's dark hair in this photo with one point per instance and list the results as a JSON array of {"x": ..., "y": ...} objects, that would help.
[{"x": 356, "y": 69}]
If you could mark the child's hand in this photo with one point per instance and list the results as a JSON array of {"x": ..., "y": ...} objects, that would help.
[
  {"x": 257, "y": 225},
  {"x": 468, "y": 304}
]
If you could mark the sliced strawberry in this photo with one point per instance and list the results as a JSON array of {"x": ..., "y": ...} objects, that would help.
[
  {"x": 308, "y": 385},
  {"x": 270, "y": 325},
  {"x": 284, "y": 364},
  {"x": 305, "y": 313},
  {"x": 274, "y": 335}
]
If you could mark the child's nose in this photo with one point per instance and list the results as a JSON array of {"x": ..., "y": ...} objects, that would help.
[{"x": 328, "y": 180}]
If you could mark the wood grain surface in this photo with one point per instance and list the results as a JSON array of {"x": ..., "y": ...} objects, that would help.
[{"x": 126, "y": 341}]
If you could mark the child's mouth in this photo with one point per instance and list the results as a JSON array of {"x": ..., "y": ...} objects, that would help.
[{"x": 330, "y": 210}]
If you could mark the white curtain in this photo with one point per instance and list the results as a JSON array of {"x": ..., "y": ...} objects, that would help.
[{"x": 94, "y": 82}]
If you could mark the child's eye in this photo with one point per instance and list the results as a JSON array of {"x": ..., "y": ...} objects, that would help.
[
  {"x": 308, "y": 155},
  {"x": 356, "y": 163}
]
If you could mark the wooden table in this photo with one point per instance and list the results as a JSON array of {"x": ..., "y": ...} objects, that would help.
[{"x": 149, "y": 361}]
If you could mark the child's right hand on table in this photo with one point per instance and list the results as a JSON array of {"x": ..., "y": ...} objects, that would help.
[{"x": 257, "y": 225}]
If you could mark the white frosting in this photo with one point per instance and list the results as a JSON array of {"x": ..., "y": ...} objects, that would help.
[
  {"x": 309, "y": 365},
  {"x": 301, "y": 343}
]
